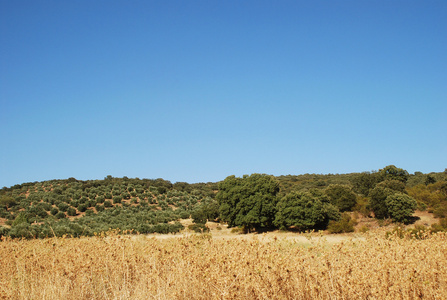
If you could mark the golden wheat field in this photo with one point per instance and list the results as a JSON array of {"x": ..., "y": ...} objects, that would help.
[{"x": 203, "y": 267}]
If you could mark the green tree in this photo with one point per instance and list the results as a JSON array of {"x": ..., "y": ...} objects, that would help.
[
  {"x": 364, "y": 182},
  {"x": 63, "y": 206},
  {"x": 394, "y": 185},
  {"x": 391, "y": 172},
  {"x": 249, "y": 201},
  {"x": 7, "y": 201},
  {"x": 208, "y": 209},
  {"x": 400, "y": 207},
  {"x": 429, "y": 179},
  {"x": 71, "y": 211},
  {"x": 341, "y": 196},
  {"x": 377, "y": 198},
  {"x": 391, "y": 203},
  {"x": 22, "y": 217},
  {"x": 305, "y": 210}
]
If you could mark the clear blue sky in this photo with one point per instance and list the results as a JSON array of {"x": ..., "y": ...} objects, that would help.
[{"x": 198, "y": 90}]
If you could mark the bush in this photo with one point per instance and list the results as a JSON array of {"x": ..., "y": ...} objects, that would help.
[
  {"x": 346, "y": 224},
  {"x": 63, "y": 206},
  {"x": 440, "y": 226},
  {"x": 99, "y": 207},
  {"x": 117, "y": 199},
  {"x": 199, "y": 228},
  {"x": 82, "y": 207},
  {"x": 107, "y": 203},
  {"x": 71, "y": 211},
  {"x": 60, "y": 215},
  {"x": 4, "y": 231},
  {"x": 364, "y": 229},
  {"x": 22, "y": 230},
  {"x": 22, "y": 217},
  {"x": 440, "y": 210}
]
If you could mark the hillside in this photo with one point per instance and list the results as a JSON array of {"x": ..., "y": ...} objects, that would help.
[{"x": 75, "y": 207}]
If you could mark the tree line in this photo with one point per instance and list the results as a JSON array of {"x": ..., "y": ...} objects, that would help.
[{"x": 256, "y": 202}]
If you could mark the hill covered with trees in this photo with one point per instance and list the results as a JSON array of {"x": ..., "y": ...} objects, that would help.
[{"x": 258, "y": 202}]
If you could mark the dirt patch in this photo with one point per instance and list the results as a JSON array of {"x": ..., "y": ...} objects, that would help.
[
  {"x": 222, "y": 232},
  {"x": 425, "y": 219}
]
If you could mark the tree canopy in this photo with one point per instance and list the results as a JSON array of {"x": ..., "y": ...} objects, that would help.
[
  {"x": 391, "y": 172},
  {"x": 249, "y": 201},
  {"x": 305, "y": 210},
  {"x": 341, "y": 196}
]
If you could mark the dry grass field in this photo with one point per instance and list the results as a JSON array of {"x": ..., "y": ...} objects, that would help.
[{"x": 214, "y": 267}]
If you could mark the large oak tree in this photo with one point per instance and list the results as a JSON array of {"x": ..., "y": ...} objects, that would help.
[{"x": 249, "y": 202}]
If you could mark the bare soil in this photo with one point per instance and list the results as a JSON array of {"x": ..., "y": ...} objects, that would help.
[{"x": 221, "y": 231}]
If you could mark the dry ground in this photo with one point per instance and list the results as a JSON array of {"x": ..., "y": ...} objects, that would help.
[{"x": 217, "y": 267}]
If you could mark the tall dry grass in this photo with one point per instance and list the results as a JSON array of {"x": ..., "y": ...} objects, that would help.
[{"x": 202, "y": 267}]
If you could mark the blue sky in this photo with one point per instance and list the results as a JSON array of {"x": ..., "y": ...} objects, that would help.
[{"x": 198, "y": 90}]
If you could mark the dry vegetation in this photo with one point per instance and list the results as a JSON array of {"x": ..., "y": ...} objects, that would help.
[{"x": 206, "y": 267}]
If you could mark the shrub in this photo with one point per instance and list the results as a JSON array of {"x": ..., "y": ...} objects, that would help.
[
  {"x": 440, "y": 210},
  {"x": 99, "y": 207},
  {"x": 22, "y": 217},
  {"x": 63, "y": 206},
  {"x": 4, "y": 231},
  {"x": 440, "y": 226},
  {"x": 60, "y": 215},
  {"x": 117, "y": 199},
  {"x": 199, "y": 228},
  {"x": 22, "y": 230},
  {"x": 364, "y": 229},
  {"x": 82, "y": 207},
  {"x": 237, "y": 230},
  {"x": 71, "y": 211},
  {"x": 107, "y": 203},
  {"x": 346, "y": 224}
]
